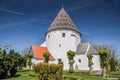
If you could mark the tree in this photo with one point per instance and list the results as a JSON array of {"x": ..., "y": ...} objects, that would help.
[
  {"x": 9, "y": 62},
  {"x": 46, "y": 55},
  {"x": 90, "y": 62},
  {"x": 71, "y": 55},
  {"x": 104, "y": 61},
  {"x": 26, "y": 51},
  {"x": 21, "y": 62},
  {"x": 112, "y": 64},
  {"x": 112, "y": 55},
  {"x": 13, "y": 62},
  {"x": 29, "y": 56},
  {"x": 3, "y": 65}
]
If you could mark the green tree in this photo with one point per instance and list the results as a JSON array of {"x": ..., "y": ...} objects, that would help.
[
  {"x": 112, "y": 64},
  {"x": 21, "y": 62},
  {"x": 71, "y": 55},
  {"x": 90, "y": 62},
  {"x": 104, "y": 61},
  {"x": 3, "y": 65},
  {"x": 112, "y": 55},
  {"x": 13, "y": 62},
  {"x": 9, "y": 62},
  {"x": 46, "y": 56},
  {"x": 29, "y": 57}
]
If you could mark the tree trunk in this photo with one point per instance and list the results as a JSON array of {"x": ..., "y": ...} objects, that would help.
[
  {"x": 27, "y": 64},
  {"x": 90, "y": 69},
  {"x": 104, "y": 72},
  {"x": 71, "y": 69}
]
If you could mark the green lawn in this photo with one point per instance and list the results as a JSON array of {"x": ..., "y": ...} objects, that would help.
[
  {"x": 31, "y": 75},
  {"x": 24, "y": 75}
]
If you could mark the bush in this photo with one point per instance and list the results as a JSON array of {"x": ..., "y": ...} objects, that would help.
[
  {"x": 46, "y": 71},
  {"x": 13, "y": 71},
  {"x": 53, "y": 70},
  {"x": 43, "y": 70},
  {"x": 60, "y": 71}
]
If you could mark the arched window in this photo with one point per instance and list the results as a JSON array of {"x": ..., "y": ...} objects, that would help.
[
  {"x": 59, "y": 45},
  {"x": 63, "y": 34},
  {"x": 48, "y": 36},
  {"x": 79, "y": 60}
]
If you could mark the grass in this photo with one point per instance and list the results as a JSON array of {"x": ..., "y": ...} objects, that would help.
[
  {"x": 24, "y": 75},
  {"x": 31, "y": 75},
  {"x": 84, "y": 75}
]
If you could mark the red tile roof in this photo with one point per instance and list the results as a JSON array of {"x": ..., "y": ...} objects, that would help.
[{"x": 38, "y": 52}]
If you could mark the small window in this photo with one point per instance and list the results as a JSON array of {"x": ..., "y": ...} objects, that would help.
[
  {"x": 48, "y": 36},
  {"x": 63, "y": 34},
  {"x": 79, "y": 60},
  {"x": 59, "y": 45}
]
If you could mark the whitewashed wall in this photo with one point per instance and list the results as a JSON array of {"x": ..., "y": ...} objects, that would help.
[
  {"x": 58, "y": 45},
  {"x": 96, "y": 61},
  {"x": 83, "y": 65}
]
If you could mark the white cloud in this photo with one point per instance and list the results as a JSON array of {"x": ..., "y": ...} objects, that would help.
[
  {"x": 11, "y": 11},
  {"x": 86, "y": 33}
]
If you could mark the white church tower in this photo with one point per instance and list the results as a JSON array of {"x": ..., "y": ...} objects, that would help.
[{"x": 62, "y": 36}]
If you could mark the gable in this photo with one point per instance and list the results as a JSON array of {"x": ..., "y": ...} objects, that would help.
[
  {"x": 81, "y": 48},
  {"x": 92, "y": 50}
]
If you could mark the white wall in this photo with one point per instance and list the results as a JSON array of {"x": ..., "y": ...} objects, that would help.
[
  {"x": 36, "y": 61},
  {"x": 58, "y": 45},
  {"x": 96, "y": 61},
  {"x": 83, "y": 65}
]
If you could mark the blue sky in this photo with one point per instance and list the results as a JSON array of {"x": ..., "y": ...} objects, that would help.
[{"x": 24, "y": 22}]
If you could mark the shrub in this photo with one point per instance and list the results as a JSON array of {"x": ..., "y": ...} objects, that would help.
[
  {"x": 60, "y": 71},
  {"x": 13, "y": 71},
  {"x": 43, "y": 70},
  {"x": 49, "y": 71}
]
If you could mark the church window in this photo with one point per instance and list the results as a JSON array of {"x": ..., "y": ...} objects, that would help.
[
  {"x": 59, "y": 45},
  {"x": 48, "y": 36},
  {"x": 79, "y": 60},
  {"x": 63, "y": 34}
]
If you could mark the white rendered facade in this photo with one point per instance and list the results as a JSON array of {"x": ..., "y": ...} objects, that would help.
[
  {"x": 58, "y": 45},
  {"x": 63, "y": 36}
]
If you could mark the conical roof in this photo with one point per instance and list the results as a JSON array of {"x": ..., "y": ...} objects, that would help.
[{"x": 63, "y": 21}]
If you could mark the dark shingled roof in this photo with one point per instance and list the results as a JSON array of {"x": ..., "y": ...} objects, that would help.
[
  {"x": 82, "y": 48},
  {"x": 63, "y": 21}
]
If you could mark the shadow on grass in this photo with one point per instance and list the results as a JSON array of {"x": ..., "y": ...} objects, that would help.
[
  {"x": 24, "y": 70},
  {"x": 32, "y": 75},
  {"x": 17, "y": 75}
]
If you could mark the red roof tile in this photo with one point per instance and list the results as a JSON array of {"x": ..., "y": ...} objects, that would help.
[{"x": 38, "y": 52}]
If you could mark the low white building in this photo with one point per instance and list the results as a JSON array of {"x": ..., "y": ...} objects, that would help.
[{"x": 62, "y": 36}]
